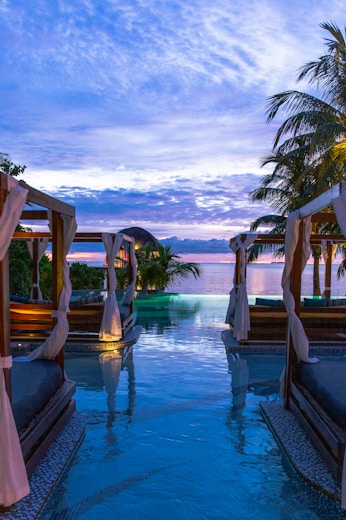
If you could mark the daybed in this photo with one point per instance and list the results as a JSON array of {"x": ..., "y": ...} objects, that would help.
[
  {"x": 33, "y": 318},
  {"x": 324, "y": 320},
  {"x": 314, "y": 389},
  {"x": 266, "y": 320},
  {"x": 35, "y": 395}
]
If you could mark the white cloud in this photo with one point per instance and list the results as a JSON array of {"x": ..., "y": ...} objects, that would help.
[{"x": 150, "y": 95}]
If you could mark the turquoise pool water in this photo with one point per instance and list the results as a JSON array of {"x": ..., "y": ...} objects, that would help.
[{"x": 174, "y": 430}]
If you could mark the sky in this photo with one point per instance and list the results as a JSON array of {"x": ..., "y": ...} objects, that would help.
[{"x": 152, "y": 113}]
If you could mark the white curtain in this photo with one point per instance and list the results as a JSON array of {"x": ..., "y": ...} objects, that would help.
[
  {"x": 131, "y": 288},
  {"x": 42, "y": 246},
  {"x": 238, "y": 308},
  {"x": 57, "y": 338},
  {"x": 111, "y": 323},
  {"x": 13, "y": 478},
  {"x": 299, "y": 339},
  {"x": 339, "y": 204}
]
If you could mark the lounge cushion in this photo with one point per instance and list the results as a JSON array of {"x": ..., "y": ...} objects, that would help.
[
  {"x": 18, "y": 299},
  {"x": 337, "y": 302},
  {"x": 326, "y": 382},
  {"x": 269, "y": 302},
  {"x": 316, "y": 302},
  {"x": 33, "y": 384}
]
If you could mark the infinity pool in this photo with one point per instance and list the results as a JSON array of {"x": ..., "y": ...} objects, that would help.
[{"x": 174, "y": 429}]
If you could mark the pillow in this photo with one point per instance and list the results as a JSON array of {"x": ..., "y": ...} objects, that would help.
[
  {"x": 316, "y": 302},
  {"x": 75, "y": 300},
  {"x": 19, "y": 299},
  {"x": 337, "y": 302},
  {"x": 269, "y": 302},
  {"x": 40, "y": 302}
]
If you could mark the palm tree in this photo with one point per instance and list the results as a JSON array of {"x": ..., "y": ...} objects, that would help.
[
  {"x": 160, "y": 267},
  {"x": 309, "y": 150},
  {"x": 286, "y": 189},
  {"x": 315, "y": 127}
]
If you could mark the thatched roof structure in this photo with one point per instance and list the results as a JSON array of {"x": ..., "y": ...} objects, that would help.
[{"x": 142, "y": 237}]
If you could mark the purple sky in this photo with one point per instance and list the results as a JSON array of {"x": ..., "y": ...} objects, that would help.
[{"x": 150, "y": 113}]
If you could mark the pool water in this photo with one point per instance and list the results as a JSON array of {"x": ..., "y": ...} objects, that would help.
[{"x": 174, "y": 429}]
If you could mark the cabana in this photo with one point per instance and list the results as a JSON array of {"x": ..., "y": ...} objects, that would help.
[
  {"x": 314, "y": 390},
  {"x": 91, "y": 317},
  {"x": 266, "y": 319},
  {"x": 36, "y": 397}
]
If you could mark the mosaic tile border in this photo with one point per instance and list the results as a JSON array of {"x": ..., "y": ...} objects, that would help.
[
  {"x": 302, "y": 455},
  {"x": 232, "y": 345},
  {"x": 95, "y": 346},
  {"x": 88, "y": 345},
  {"x": 50, "y": 470}
]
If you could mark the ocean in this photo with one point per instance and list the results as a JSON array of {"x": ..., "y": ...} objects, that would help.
[{"x": 262, "y": 279}]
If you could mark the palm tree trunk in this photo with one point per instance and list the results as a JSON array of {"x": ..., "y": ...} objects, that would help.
[{"x": 316, "y": 254}]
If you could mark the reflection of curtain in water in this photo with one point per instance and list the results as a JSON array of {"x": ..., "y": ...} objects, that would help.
[
  {"x": 128, "y": 364},
  {"x": 112, "y": 363},
  {"x": 240, "y": 379},
  {"x": 111, "y": 367}
]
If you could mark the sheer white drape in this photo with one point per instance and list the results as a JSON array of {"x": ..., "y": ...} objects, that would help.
[
  {"x": 131, "y": 288},
  {"x": 57, "y": 338},
  {"x": 111, "y": 323},
  {"x": 299, "y": 339},
  {"x": 13, "y": 478},
  {"x": 42, "y": 244},
  {"x": 238, "y": 308}
]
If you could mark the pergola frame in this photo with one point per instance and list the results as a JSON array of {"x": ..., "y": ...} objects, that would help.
[{"x": 58, "y": 209}]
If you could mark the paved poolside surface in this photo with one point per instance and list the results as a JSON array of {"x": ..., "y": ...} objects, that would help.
[{"x": 49, "y": 472}]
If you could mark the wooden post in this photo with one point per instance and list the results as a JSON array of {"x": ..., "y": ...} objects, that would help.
[
  {"x": 129, "y": 247},
  {"x": 328, "y": 270},
  {"x": 296, "y": 282},
  {"x": 237, "y": 268},
  {"x": 35, "y": 268},
  {"x": 5, "y": 340},
  {"x": 57, "y": 269}
]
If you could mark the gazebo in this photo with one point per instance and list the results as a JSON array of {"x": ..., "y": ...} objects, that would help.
[
  {"x": 36, "y": 397},
  {"x": 266, "y": 320}
]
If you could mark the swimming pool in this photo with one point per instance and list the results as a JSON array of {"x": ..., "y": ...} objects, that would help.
[{"x": 174, "y": 428}]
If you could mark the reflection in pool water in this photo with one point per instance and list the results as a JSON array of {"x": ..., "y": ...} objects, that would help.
[{"x": 174, "y": 429}]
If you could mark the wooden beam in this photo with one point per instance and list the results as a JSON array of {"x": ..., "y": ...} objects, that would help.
[
  {"x": 27, "y": 235},
  {"x": 269, "y": 238},
  {"x": 46, "y": 201},
  {"x": 5, "y": 340},
  {"x": 321, "y": 202},
  {"x": 34, "y": 214},
  {"x": 324, "y": 216},
  {"x": 35, "y": 267}
]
